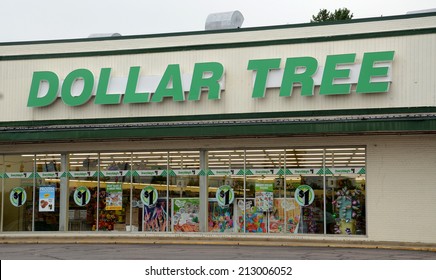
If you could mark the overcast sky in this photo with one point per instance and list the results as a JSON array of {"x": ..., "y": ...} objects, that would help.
[{"x": 29, "y": 20}]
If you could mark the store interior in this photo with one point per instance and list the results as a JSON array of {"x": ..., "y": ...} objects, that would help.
[{"x": 106, "y": 191}]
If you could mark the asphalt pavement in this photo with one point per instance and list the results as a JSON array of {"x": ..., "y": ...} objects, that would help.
[{"x": 200, "y": 252}]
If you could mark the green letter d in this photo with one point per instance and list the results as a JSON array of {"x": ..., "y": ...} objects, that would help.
[{"x": 53, "y": 86}]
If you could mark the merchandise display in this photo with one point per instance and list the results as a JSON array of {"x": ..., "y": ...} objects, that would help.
[
  {"x": 220, "y": 218},
  {"x": 185, "y": 214},
  {"x": 348, "y": 211},
  {"x": 255, "y": 220},
  {"x": 284, "y": 210},
  {"x": 155, "y": 216}
]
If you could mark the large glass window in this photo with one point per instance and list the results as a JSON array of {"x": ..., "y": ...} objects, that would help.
[
  {"x": 346, "y": 190},
  {"x": 184, "y": 187},
  {"x": 84, "y": 200},
  {"x": 226, "y": 190},
  {"x": 150, "y": 203},
  {"x": 264, "y": 190},
  {"x": 305, "y": 183},
  {"x": 47, "y": 192},
  {"x": 114, "y": 190},
  {"x": 302, "y": 191},
  {"x": 19, "y": 192},
  {"x": 289, "y": 190},
  {"x": 2, "y": 193}
]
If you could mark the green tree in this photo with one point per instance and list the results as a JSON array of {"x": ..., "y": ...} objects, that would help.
[{"x": 338, "y": 14}]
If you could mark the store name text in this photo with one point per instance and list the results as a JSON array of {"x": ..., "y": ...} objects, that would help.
[{"x": 336, "y": 77}]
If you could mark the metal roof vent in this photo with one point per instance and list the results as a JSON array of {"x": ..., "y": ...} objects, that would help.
[
  {"x": 101, "y": 35},
  {"x": 226, "y": 20},
  {"x": 421, "y": 11}
]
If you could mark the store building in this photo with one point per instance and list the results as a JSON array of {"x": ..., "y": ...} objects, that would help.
[{"x": 303, "y": 130}]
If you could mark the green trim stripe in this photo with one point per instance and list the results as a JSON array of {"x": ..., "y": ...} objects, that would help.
[
  {"x": 343, "y": 127},
  {"x": 238, "y": 116}
]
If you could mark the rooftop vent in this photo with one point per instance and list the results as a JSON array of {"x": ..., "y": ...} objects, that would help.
[
  {"x": 101, "y": 35},
  {"x": 226, "y": 20},
  {"x": 421, "y": 11}
]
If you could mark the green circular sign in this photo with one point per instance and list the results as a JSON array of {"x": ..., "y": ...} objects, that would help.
[
  {"x": 82, "y": 196},
  {"x": 304, "y": 195},
  {"x": 18, "y": 196},
  {"x": 149, "y": 196},
  {"x": 225, "y": 195}
]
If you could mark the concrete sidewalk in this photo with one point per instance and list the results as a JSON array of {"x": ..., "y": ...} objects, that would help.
[{"x": 230, "y": 239}]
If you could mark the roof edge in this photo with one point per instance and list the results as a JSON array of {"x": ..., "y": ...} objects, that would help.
[{"x": 205, "y": 32}]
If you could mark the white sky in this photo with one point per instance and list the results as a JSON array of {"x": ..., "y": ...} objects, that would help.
[{"x": 28, "y": 20}]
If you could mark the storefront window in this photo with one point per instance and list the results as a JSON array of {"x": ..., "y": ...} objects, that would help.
[
  {"x": 293, "y": 191},
  {"x": 150, "y": 202},
  {"x": 19, "y": 192},
  {"x": 83, "y": 185},
  {"x": 47, "y": 194},
  {"x": 2, "y": 193},
  {"x": 306, "y": 185},
  {"x": 264, "y": 190},
  {"x": 184, "y": 187},
  {"x": 114, "y": 191},
  {"x": 226, "y": 190},
  {"x": 346, "y": 191}
]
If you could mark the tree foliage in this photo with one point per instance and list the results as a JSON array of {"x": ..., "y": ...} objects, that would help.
[{"x": 338, "y": 14}]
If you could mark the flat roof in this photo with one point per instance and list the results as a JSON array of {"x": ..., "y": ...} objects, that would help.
[{"x": 238, "y": 30}]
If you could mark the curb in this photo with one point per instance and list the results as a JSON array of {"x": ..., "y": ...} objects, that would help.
[{"x": 204, "y": 239}]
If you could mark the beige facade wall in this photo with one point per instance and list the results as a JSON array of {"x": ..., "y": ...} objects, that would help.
[
  {"x": 412, "y": 85},
  {"x": 402, "y": 188}
]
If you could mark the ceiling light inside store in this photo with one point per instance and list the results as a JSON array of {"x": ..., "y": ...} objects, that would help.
[
  {"x": 340, "y": 149},
  {"x": 48, "y": 159},
  {"x": 223, "y": 155},
  {"x": 305, "y": 154},
  {"x": 308, "y": 150}
]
